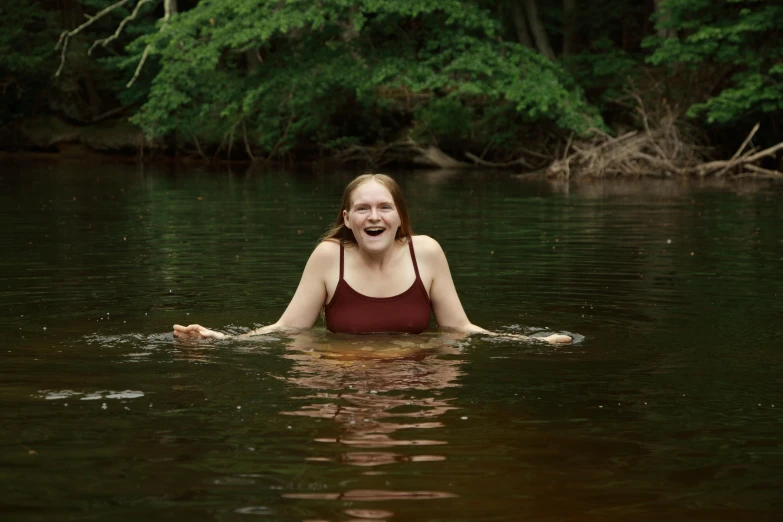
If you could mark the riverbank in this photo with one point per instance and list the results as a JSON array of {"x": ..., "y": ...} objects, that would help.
[
  {"x": 658, "y": 150},
  {"x": 49, "y": 134}
]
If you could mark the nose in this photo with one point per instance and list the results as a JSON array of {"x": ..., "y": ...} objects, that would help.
[{"x": 374, "y": 215}]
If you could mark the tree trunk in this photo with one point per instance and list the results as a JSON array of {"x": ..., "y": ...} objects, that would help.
[
  {"x": 170, "y": 7},
  {"x": 569, "y": 27},
  {"x": 94, "y": 98},
  {"x": 523, "y": 34},
  {"x": 251, "y": 58},
  {"x": 537, "y": 28},
  {"x": 663, "y": 19}
]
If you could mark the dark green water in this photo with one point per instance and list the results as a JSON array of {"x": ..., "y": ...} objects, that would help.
[{"x": 668, "y": 409}]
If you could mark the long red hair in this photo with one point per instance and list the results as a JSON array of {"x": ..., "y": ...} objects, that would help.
[{"x": 343, "y": 234}]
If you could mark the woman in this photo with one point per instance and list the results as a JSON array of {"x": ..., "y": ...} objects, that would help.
[{"x": 371, "y": 274}]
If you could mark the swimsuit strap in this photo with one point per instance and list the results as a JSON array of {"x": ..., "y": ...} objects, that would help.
[
  {"x": 410, "y": 247},
  {"x": 342, "y": 254},
  {"x": 413, "y": 257}
]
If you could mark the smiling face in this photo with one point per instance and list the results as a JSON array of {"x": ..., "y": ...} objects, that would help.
[{"x": 372, "y": 217}]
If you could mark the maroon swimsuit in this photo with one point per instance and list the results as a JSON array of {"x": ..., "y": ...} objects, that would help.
[{"x": 350, "y": 311}]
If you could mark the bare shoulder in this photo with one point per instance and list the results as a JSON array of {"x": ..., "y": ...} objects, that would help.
[
  {"x": 427, "y": 248},
  {"x": 325, "y": 255},
  {"x": 328, "y": 245}
]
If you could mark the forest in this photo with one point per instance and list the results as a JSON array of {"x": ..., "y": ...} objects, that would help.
[{"x": 569, "y": 88}]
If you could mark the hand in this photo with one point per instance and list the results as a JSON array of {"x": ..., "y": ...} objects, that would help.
[
  {"x": 196, "y": 331},
  {"x": 557, "y": 339},
  {"x": 551, "y": 339}
]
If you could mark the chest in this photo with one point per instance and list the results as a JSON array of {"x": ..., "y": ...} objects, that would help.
[
  {"x": 391, "y": 281},
  {"x": 394, "y": 279}
]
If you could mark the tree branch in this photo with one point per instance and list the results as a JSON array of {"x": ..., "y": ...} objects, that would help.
[
  {"x": 105, "y": 41},
  {"x": 282, "y": 138},
  {"x": 767, "y": 173},
  {"x": 170, "y": 7},
  {"x": 198, "y": 147},
  {"x": 484, "y": 163},
  {"x": 138, "y": 67},
  {"x": 247, "y": 145},
  {"x": 731, "y": 162},
  {"x": 67, "y": 35}
]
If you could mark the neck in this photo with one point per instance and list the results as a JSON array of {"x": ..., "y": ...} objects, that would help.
[{"x": 378, "y": 260}]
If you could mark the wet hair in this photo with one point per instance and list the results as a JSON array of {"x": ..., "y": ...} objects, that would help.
[{"x": 343, "y": 234}]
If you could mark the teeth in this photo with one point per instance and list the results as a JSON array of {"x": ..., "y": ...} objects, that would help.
[{"x": 375, "y": 229}]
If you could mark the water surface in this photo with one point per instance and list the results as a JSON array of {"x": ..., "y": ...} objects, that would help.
[{"x": 668, "y": 408}]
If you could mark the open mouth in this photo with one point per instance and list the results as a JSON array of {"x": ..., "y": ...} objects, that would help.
[{"x": 374, "y": 231}]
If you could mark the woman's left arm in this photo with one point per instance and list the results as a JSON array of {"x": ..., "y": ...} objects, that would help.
[{"x": 446, "y": 305}]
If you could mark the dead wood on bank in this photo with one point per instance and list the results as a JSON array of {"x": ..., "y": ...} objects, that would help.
[
  {"x": 408, "y": 150},
  {"x": 663, "y": 146},
  {"x": 655, "y": 152},
  {"x": 401, "y": 151},
  {"x": 661, "y": 149}
]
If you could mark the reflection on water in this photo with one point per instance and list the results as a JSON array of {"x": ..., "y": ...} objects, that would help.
[
  {"x": 371, "y": 387},
  {"x": 50, "y": 395},
  {"x": 372, "y": 495},
  {"x": 652, "y": 188},
  {"x": 668, "y": 409}
]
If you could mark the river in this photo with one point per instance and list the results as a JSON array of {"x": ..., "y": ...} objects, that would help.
[{"x": 668, "y": 406}]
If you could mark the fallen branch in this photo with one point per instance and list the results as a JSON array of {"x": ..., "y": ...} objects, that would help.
[
  {"x": 645, "y": 120},
  {"x": 653, "y": 153},
  {"x": 401, "y": 150},
  {"x": 766, "y": 172},
  {"x": 657, "y": 149},
  {"x": 108, "y": 114},
  {"x": 765, "y": 153},
  {"x": 739, "y": 150},
  {"x": 433, "y": 156},
  {"x": 535, "y": 154},
  {"x": 713, "y": 166},
  {"x": 484, "y": 163}
]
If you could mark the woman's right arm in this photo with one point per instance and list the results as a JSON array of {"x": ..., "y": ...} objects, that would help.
[
  {"x": 446, "y": 305},
  {"x": 304, "y": 307}
]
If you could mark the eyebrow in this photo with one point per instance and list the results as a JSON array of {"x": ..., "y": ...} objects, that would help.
[{"x": 357, "y": 203}]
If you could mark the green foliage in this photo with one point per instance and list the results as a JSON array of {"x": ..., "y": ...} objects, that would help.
[
  {"x": 25, "y": 56},
  {"x": 740, "y": 40},
  {"x": 298, "y": 73},
  {"x": 19, "y": 20},
  {"x": 87, "y": 85},
  {"x": 603, "y": 69},
  {"x": 444, "y": 117}
]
